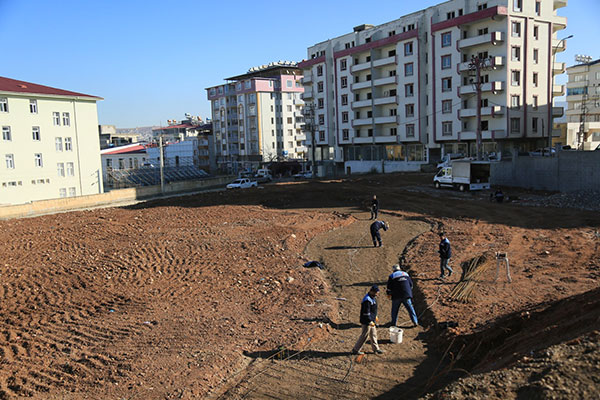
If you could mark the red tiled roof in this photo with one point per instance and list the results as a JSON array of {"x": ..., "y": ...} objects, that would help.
[
  {"x": 125, "y": 149},
  {"x": 15, "y": 86}
]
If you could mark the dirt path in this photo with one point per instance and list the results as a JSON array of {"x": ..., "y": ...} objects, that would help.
[{"x": 325, "y": 369}]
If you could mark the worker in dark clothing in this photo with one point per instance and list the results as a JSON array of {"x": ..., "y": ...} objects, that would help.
[
  {"x": 499, "y": 196},
  {"x": 399, "y": 287},
  {"x": 445, "y": 254},
  {"x": 374, "y": 207},
  {"x": 368, "y": 320},
  {"x": 375, "y": 227}
]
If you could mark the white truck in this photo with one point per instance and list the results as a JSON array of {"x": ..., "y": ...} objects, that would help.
[
  {"x": 464, "y": 175},
  {"x": 263, "y": 176},
  {"x": 242, "y": 183}
]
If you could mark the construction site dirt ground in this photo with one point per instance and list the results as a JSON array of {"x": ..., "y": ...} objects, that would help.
[{"x": 206, "y": 296}]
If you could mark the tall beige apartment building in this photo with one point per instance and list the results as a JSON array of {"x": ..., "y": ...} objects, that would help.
[
  {"x": 49, "y": 146},
  {"x": 400, "y": 94},
  {"x": 257, "y": 117},
  {"x": 583, "y": 111}
]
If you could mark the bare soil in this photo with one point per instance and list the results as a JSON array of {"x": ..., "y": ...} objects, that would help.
[{"x": 206, "y": 295}]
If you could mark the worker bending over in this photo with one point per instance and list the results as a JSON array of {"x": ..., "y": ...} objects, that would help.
[
  {"x": 399, "y": 287},
  {"x": 375, "y": 235}
]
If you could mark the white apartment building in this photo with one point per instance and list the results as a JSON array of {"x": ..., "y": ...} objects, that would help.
[
  {"x": 583, "y": 111},
  {"x": 257, "y": 117},
  {"x": 49, "y": 145},
  {"x": 400, "y": 94}
]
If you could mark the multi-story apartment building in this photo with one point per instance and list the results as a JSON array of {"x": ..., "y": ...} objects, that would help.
[
  {"x": 49, "y": 143},
  {"x": 403, "y": 92},
  {"x": 257, "y": 117},
  {"x": 583, "y": 111}
]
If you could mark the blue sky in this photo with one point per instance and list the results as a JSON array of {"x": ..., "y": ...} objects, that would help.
[{"x": 151, "y": 60}]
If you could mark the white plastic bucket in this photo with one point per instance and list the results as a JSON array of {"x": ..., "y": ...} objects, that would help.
[{"x": 396, "y": 334}]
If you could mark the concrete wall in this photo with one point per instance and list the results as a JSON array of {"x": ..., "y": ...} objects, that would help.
[
  {"x": 364, "y": 167},
  {"x": 568, "y": 171},
  {"x": 113, "y": 197}
]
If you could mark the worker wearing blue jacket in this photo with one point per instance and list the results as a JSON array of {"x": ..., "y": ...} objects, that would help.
[
  {"x": 368, "y": 320},
  {"x": 375, "y": 235},
  {"x": 399, "y": 287},
  {"x": 445, "y": 252}
]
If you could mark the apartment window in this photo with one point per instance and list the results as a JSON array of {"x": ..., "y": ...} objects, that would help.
[
  {"x": 447, "y": 106},
  {"x": 72, "y": 192},
  {"x": 515, "y": 53},
  {"x": 447, "y": 128},
  {"x": 35, "y": 133},
  {"x": 68, "y": 144},
  {"x": 538, "y": 8},
  {"x": 109, "y": 163},
  {"x": 482, "y": 31},
  {"x": 518, "y": 5},
  {"x": 3, "y": 104},
  {"x": 535, "y": 79},
  {"x": 71, "y": 168},
  {"x": 368, "y": 78},
  {"x": 409, "y": 90},
  {"x": 320, "y": 87},
  {"x": 516, "y": 29},
  {"x": 451, "y": 15},
  {"x": 345, "y": 134},
  {"x": 393, "y": 112},
  {"x": 33, "y": 106},
  {"x": 392, "y": 92},
  {"x": 290, "y": 120},
  {"x": 410, "y": 130},
  {"x": 38, "y": 160},
  {"x": 536, "y": 32},
  {"x": 446, "y": 84},
  {"x": 6, "y": 135},
  {"x": 60, "y": 167},
  {"x": 321, "y": 119},
  {"x": 344, "y": 82},
  {"x": 393, "y": 131},
  {"x": 344, "y": 99},
  {"x": 534, "y": 124},
  {"x": 408, "y": 69},
  {"x": 58, "y": 144},
  {"x": 446, "y": 39},
  {"x": 516, "y": 78},
  {"x": 535, "y": 102},
  {"x": 482, "y": 6},
  {"x": 345, "y": 116},
  {"x": 408, "y": 49},
  {"x": 289, "y": 83},
  {"x": 515, "y": 101},
  {"x": 392, "y": 72},
  {"x": 391, "y": 33},
  {"x": 391, "y": 53},
  {"x": 56, "y": 118},
  {"x": 535, "y": 56},
  {"x": 319, "y": 70},
  {"x": 62, "y": 192},
  {"x": 515, "y": 125},
  {"x": 369, "y": 114},
  {"x": 343, "y": 64},
  {"x": 409, "y": 110},
  {"x": 484, "y": 103},
  {"x": 321, "y": 103},
  {"x": 10, "y": 161},
  {"x": 446, "y": 61},
  {"x": 289, "y": 108},
  {"x": 322, "y": 136}
]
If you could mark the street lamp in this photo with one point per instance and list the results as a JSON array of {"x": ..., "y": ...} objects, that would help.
[{"x": 551, "y": 128}]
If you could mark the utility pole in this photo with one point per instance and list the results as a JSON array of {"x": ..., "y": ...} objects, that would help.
[
  {"x": 475, "y": 67},
  {"x": 162, "y": 163},
  {"x": 309, "y": 126}
]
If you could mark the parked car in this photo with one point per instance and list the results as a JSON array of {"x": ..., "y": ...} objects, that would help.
[
  {"x": 545, "y": 152},
  {"x": 242, "y": 183},
  {"x": 303, "y": 175},
  {"x": 263, "y": 176}
]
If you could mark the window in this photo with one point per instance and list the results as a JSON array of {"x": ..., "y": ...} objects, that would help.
[
  {"x": 515, "y": 53},
  {"x": 447, "y": 128},
  {"x": 535, "y": 56},
  {"x": 516, "y": 29},
  {"x": 534, "y": 124},
  {"x": 320, "y": 87},
  {"x": 109, "y": 163},
  {"x": 515, "y": 101},
  {"x": 538, "y": 8},
  {"x": 391, "y": 53},
  {"x": 320, "y": 70},
  {"x": 3, "y": 104},
  {"x": 409, "y": 90},
  {"x": 68, "y": 144},
  {"x": 451, "y": 15},
  {"x": 289, "y": 108},
  {"x": 518, "y": 5},
  {"x": 38, "y": 160},
  {"x": 321, "y": 119},
  {"x": 344, "y": 82},
  {"x": 408, "y": 69},
  {"x": 58, "y": 144},
  {"x": 290, "y": 120},
  {"x": 33, "y": 106},
  {"x": 368, "y": 78},
  {"x": 6, "y": 133},
  {"x": 535, "y": 79},
  {"x": 56, "y": 118},
  {"x": 484, "y": 103},
  {"x": 393, "y": 112},
  {"x": 516, "y": 78},
  {"x": 446, "y": 84},
  {"x": 392, "y": 72},
  {"x": 321, "y": 103},
  {"x": 72, "y": 192},
  {"x": 482, "y": 31},
  {"x": 536, "y": 32},
  {"x": 446, "y": 61},
  {"x": 71, "y": 168},
  {"x": 535, "y": 102},
  {"x": 289, "y": 83},
  {"x": 409, "y": 110},
  {"x": 408, "y": 49},
  {"x": 391, "y": 33},
  {"x": 410, "y": 130},
  {"x": 10, "y": 161},
  {"x": 344, "y": 99},
  {"x": 322, "y": 136},
  {"x": 345, "y": 134},
  {"x": 60, "y": 168},
  {"x": 481, "y": 6},
  {"x": 343, "y": 64},
  {"x": 515, "y": 125},
  {"x": 446, "y": 39},
  {"x": 62, "y": 192},
  {"x": 345, "y": 116},
  {"x": 393, "y": 131},
  {"x": 447, "y": 106}
]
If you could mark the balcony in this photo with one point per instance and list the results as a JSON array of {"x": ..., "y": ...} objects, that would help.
[
  {"x": 560, "y": 4},
  {"x": 559, "y": 68},
  {"x": 559, "y": 45},
  {"x": 558, "y": 112},
  {"x": 385, "y": 81},
  {"x": 493, "y": 38},
  {"x": 300, "y": 137},
  {"x": 384, "y": 61},
  {"x": 489, "y": 135},
  {"x": 558, "y": 90},
  {"x": 360, "y": 85},
  {"x": 362, "y": 140},
  {"x": 386, "y": 139},
  {"x": 360, "y": 67},
  {"x": 385, "y": 100},
  {"x": 362, "y": 121},
  {"x": 392, "y": 119},
  {"x": 306, "y": 79},
  {"x": 496, "y": 62},
  {"x": 559, "y": 23},
  {"x": 576, "y": 84},
  {"x": 485, "y": 112},
  {"x": 496, "y": 86},
  {"x": 308, "y": 94},
  {"x": 362, "y": 103}
]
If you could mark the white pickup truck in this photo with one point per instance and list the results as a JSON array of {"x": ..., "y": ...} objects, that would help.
[
  {"x": 464, "y": 175},
  {"x": 242, "y": 183}
]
